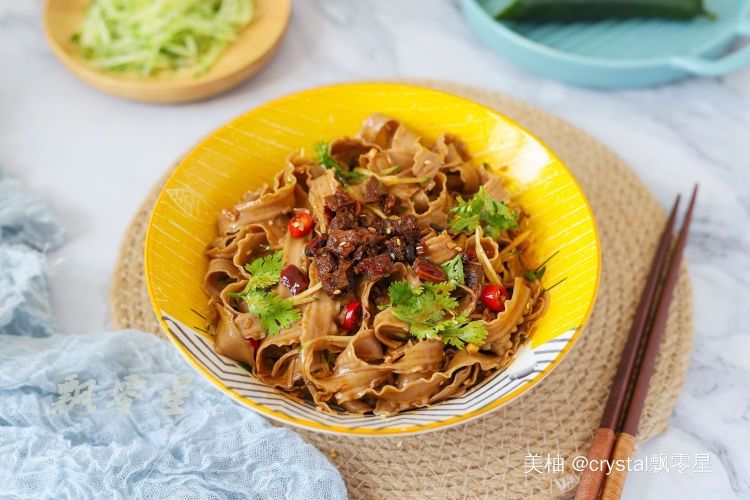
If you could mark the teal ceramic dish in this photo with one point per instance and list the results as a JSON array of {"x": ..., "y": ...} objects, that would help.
[{"x": 618, "y": 54}]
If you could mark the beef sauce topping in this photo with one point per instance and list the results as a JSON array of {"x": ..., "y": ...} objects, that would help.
[{"x": 359, "y": 243}]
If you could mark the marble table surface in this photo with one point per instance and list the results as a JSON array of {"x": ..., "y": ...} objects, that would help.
[{"x": 94, "y": 157}]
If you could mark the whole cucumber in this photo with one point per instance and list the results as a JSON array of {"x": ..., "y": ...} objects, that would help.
[{"x": 594, "y": 10}]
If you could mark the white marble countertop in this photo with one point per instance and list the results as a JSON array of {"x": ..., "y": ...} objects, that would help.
[{"x": 94, "y": 157}]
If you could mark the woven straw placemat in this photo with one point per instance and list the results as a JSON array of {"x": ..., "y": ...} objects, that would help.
[{"x": 489, "y": 457}]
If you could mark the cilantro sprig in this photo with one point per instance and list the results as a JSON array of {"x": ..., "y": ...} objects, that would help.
[
  {"x": 454, "y": 270},
  {"x": 481, "y": 209},
  {"x": 428, "y": 309},
  {"x": 460, "y": 331},
  {"x": 536, "y": 274},
  {"x": 343, "y": 175},
  {"x": 265, "y": 271},
  {"x": 275, "y": 313}
]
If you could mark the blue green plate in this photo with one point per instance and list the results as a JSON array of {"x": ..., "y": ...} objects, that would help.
[{"x": 615, "y": 54}]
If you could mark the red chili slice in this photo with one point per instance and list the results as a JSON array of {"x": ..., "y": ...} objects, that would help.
[
  {"x": 427, "y": 270},
  {"x": 352, "y": 315},
  {"x": 293, "y": 279},
  {"x": 494, "y": 297},
  {"x": 254, "y": 343},
  {"x": 301, "y": 224}
]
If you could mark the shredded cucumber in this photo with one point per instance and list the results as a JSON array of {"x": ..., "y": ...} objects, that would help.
[{"x": 150, "y": 37}]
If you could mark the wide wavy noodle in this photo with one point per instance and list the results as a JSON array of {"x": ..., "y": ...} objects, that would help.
[{"x": 381, "y": 215}]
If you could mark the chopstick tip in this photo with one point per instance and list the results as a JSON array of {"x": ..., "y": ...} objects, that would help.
[
  {"x": 675, "y": 206},
  {"x": 693, "y": 197}
]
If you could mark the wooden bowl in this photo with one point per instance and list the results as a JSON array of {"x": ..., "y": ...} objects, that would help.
[{"x": 246, "y": 55}]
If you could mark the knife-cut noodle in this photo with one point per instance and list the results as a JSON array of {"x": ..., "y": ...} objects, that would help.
[{"x": 381, "y": 274}]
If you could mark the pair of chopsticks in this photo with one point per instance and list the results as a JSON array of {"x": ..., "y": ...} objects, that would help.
[{"x": 614, "y": 440}]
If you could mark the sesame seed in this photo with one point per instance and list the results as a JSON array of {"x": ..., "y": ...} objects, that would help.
[{"x": 337, "y": 292}]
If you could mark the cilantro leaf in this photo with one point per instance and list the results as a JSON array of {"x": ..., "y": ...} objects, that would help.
[
  {"x": 275, "y": 313},
  {"x": 460, "y": 331},
  {"x": 466, "y": 215},
  {"x": 454, "y": 270},
  {"x": 265, "y": 271},
  {"x": 322, "y": 151},
  {"x": 442, "y": 288},
  {"x": 437, "y": 297},
  {"x": 423, "y": 331},
  {"x": 400, "y": 292},
  {"x": 428, "y": 309},
  {"x": 481, "y": 209},
  {"x": 535, "y": 274},
  {"x": 344, "y": 176},
  {"x": 426, "y": 304}
]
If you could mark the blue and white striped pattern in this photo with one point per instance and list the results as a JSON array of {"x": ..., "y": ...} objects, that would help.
[{"x": 527, "y": 369}]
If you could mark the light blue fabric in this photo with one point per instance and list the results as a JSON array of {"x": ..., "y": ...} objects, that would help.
[
  {"x": 121, "y": 414},
  {"x": 26, "y": 219},
  {"x": 27, "y": 228}
]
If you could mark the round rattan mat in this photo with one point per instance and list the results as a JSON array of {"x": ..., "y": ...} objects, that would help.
[{"x": 491, "y": 457}]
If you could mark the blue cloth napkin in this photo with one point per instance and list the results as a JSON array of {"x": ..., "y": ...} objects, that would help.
[{"x": 121, "y": 414}]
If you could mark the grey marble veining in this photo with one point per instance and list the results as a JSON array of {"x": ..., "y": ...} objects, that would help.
[{"x": 95, "y": 157}]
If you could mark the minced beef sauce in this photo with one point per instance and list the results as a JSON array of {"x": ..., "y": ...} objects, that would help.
[{"x": 360, "y": 243}]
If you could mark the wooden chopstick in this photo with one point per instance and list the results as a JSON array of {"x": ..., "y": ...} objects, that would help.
[
  {"x": 625, "y": 446},
  {"x": 604, "y": 437}
]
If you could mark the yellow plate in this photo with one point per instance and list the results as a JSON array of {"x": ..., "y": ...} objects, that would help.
[{"x": 249, "y": 150}]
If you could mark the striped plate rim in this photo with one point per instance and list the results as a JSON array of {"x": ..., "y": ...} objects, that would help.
[{"x": 528, "y": 368}]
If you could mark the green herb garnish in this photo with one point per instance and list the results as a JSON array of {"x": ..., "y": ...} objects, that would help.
[
  {"x": 428, "y": 309},
  {"x": 265, "y": 271},
  {"x": 481, "y": 209},
  {"x": 536, "y": 274},
  {"x": 553, "y": 286},
  {"x": 454, "y": 270},
  {"x": 275, "y": 313},
  {"x": 344, "y": 176},
  {"x": 459, "y": 331}
]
